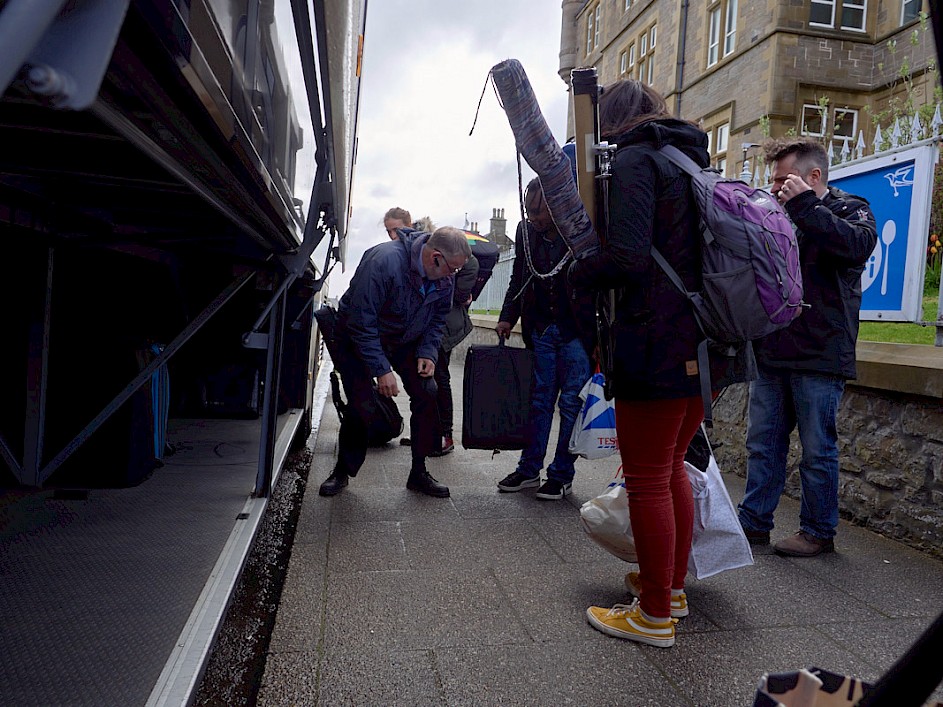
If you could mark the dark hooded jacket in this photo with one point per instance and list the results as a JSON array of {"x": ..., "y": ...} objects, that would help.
[
  {"x": 654, "y": 339},
  {"x": 521, "y": 297},
  {"x": 390, "y": 304},
  {"x": 837, "y": 234},
  {"x": 458, "y": 323}
]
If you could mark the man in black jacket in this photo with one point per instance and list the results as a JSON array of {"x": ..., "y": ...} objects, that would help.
[
  {"x": 558, "y": 324},
  {"x": 803, "y": 368}
]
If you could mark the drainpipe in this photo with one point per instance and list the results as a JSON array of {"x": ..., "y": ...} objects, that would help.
[{"x": 682, "y": 41}]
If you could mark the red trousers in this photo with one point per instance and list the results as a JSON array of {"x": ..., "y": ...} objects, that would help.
[{"x": 653, "y": 438}]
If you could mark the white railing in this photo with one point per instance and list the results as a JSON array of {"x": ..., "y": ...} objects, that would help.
[
  {"x": 902, "y": 134},
  {"x": 492, "y": 296}
]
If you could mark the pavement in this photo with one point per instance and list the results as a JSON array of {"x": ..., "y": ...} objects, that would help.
[{"x": 394, "y": 598}]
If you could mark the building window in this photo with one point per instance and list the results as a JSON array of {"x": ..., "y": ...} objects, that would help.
[
  {"x": 713, "y": 42},
  {"x": 853, "y": 14},
  {"x": 721, "y": 14},
  {"x": 623, "y": 63},
  {"x": 730, "y": 28},
  {"x": 631, "y": 58},
  {"x": 643, "y": 45},
  {"x": 652, "y": 35},
  {"x": 813, "y": 120},
  {"x": 822, "y": 13},
  {"x": 650, "y": 76},
  {"x": 723, "y": 134},
  {"x": 593, "y": 28},
  {"x": 598, "y": 23},
  {"x": 844, "y": 125},
  {"x": 909, "y": 11},
  {"x": 717, "y": 138},
  {"x": 720, "y": 147},
  {"x": 628, "y": 4}
]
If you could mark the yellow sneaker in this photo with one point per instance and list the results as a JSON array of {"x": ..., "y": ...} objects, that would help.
[
  {"x": 679, "y": 603},
  {"x": 626, "y": 621}
]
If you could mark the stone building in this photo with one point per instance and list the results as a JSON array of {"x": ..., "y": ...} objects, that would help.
[{"x": 733, "y": 65}]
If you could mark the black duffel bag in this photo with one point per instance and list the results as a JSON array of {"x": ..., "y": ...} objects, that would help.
[{"x": 496, "y": 404}]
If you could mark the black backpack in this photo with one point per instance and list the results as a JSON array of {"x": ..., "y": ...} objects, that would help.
[
  {"x": 487, "y": 256},
  {"x": 380, "y": 415}
]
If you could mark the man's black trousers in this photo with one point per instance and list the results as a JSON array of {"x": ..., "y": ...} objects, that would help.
[{"x": 358, "y": 384}]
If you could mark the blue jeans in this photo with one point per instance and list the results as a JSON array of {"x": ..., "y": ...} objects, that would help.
[
  {"x": 779, "y": 401},
  {"x": 560, "y": 368}
]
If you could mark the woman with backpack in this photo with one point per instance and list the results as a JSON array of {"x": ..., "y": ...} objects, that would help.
[{"x": 652, "y": 347}]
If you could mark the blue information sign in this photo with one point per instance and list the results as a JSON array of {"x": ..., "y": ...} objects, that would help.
[{"x": 898, "y": 187}]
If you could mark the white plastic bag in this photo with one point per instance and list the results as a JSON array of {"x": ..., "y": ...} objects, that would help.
[
  {"x": 606, "y": 520},
  {"x": 594, "y": 434},
  {"x": 719, "y": 542}
]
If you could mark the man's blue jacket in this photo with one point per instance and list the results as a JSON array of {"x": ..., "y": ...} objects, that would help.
[{"x": 390, "y": 304}]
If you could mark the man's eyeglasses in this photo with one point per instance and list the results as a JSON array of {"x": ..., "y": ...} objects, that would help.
[{"x": 438, "y": 263}]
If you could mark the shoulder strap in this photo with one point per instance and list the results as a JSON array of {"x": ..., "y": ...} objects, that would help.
[
  {"x": 703, "y": 360},
  {"x": 681, "y": 160}
]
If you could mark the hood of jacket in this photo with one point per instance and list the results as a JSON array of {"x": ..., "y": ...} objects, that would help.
[{"x": 668, "y": 131}]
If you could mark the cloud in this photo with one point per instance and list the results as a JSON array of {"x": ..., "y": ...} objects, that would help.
[{"x": 425, "y": 63}]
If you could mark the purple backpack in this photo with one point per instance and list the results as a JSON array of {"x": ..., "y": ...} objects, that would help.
[{"x": 750, "y": 260}]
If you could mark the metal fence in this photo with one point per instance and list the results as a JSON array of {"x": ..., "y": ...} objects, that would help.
[
  {"x": 492, "y": 296},
  {"x": 903, "y": 133}
]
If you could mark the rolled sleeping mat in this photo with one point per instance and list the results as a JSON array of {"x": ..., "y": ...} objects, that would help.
[{"x": 540, "y": 150}]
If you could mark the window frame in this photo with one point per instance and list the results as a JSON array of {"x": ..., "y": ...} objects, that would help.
[
  {"x": 652, "y": 35},
  {"x": 713, "y": 35},
  {"x": 839, "y": 140},
  {"x": 623, "y": 62},
  {"x": 857, "y": 5},
  {"x": 722, "y": 145},
  {"x": 631, "y": 57},
  {"x": 824, "y": 118},
  {"x": 628, "y": 5},
  {"x": 831, "y": 3},
  {"x": 903, "y": 7},
  {"x": 598, "y": 17},
  {"x": 589, "y": 32},
  {"x": 730, "y": 34}
]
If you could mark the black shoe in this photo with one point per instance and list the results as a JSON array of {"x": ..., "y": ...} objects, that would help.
[
  {"x": 423, "y": 482},
  {"x": 757, "y": 537},
  {"x": 333, "y": 484},
  {"x": 553, "y": 490},
  {"x": 516, "y": 481}
]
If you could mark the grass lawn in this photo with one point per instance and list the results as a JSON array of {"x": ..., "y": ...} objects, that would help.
[
  {"x": 888, "y": 332},
  {"x": 903, "y": 332}
]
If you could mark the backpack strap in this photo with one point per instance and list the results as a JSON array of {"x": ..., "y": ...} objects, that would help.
[
  {"x": 680, "y": 159},
  {"x": 703, "y": 360}
]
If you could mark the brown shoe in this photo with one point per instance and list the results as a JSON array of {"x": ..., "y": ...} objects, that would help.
[{"x": 804, "y": 545}]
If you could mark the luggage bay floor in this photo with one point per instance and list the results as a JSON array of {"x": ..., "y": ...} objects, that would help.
[{"x": 393, "y": 598}]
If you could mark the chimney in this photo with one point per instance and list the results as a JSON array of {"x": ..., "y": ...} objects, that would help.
[{"x": 499, "y": 226}]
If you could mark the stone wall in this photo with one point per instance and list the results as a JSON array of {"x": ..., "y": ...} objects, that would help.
[
  {"x": 891, "y": 447},
  {"x": 890, "y": 428}
]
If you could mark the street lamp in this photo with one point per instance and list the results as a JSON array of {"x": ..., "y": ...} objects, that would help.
[{"x": 746, "y": 174}]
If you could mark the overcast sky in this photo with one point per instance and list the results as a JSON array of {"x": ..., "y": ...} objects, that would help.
[{"x": 424, "y": 65}]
